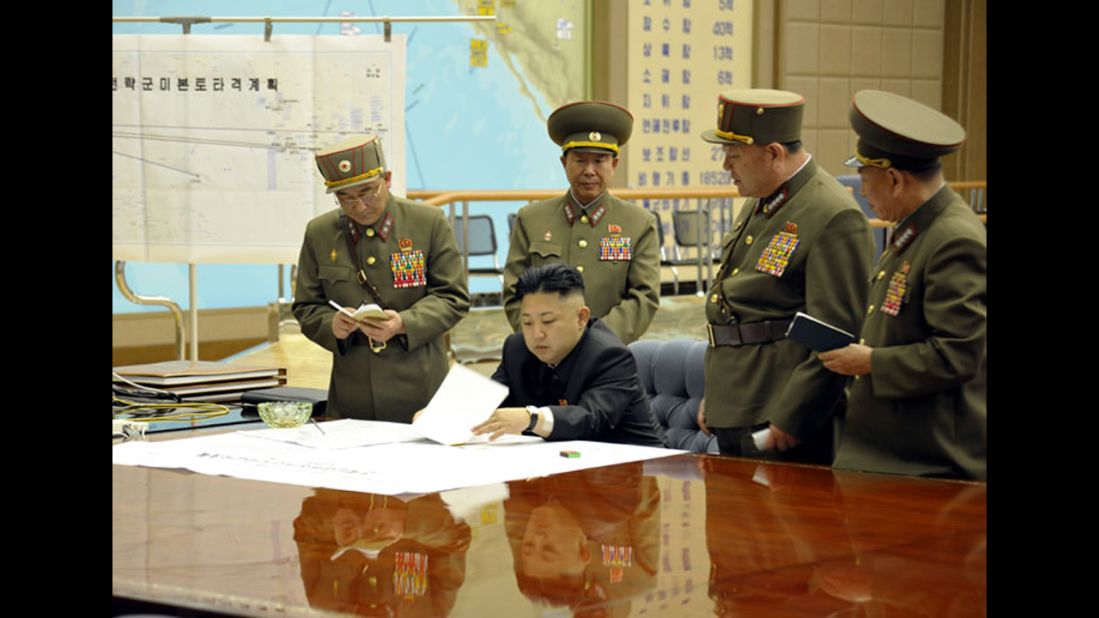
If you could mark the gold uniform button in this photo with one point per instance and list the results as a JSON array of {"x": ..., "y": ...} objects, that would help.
[
  {"x": 734, "y": 272},
  {"x": 862, "y": 341},
  {"x": 583, "y": 243},
  {"x": 370, "y": 260},
  {"x": 713, "y": 299},
  {"x": 580, "y": 269},
  {"x": 748, "y": 240},
  {"x": 583, "y": 218},
  {"x": 370, "y": 232},
  {"x": 870, "y": 310},
  {"x": 881, "y": 275},
  {"x": 857, "y": 377}
]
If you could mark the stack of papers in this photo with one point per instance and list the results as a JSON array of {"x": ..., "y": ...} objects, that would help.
[{"x": 203, "y": 380}]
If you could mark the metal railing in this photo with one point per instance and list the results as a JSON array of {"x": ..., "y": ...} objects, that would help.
[{"x": 973, "y": 190}]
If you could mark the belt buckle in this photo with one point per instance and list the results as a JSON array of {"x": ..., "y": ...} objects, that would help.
[{"x": 710, "y": 334}]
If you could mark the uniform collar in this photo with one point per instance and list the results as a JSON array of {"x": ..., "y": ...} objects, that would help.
[
  {"x": 772, "y": 203},
  {"x": 593, "y": 211},
  {"x": 920, "y": 219},
  {"x": 381, "y": 228}
]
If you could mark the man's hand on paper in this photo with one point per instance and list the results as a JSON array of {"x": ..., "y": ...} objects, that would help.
[
  {"x": 780, "y": 440},
  {"x": 504, "y": 420},
  {"x": 343, "y": 325},
  {"x": 382, "y": 331},
  {"x": 853, "y": 360}
]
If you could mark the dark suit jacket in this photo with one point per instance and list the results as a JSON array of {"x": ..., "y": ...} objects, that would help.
[{"x": 594, "y": 393}]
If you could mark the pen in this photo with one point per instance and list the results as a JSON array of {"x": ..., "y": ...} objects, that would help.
[{"x": 315, "y": 424}]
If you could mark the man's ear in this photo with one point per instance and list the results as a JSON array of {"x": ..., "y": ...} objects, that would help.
[
  {"x": 583, "y": 315},
  {"x": 585, "y": 551},
  {"x": 898, "y": 179},
  {"x": 388, "y": 179}
]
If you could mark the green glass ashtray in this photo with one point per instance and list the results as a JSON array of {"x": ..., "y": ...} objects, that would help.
[{"x": 284, "y": 414}]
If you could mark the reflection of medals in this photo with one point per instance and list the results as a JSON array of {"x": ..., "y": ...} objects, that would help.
[
  {"x": 616, "y": 558},
  {"x": 409, "y": 574},
  {"x": 617, "y": 555}
]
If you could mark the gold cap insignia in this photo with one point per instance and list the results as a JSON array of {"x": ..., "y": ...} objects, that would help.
[
  {"x": 345, "y": 166},
  {"x": 595, "y": 136}
]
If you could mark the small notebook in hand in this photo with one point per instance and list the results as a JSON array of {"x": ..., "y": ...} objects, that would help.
[{"x": 817, "y": 335}]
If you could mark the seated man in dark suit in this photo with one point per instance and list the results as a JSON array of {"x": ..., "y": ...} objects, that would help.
[{"x": 576, "y": 379}]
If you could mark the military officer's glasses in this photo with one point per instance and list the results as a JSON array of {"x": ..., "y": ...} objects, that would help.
[{"x": 367, "y": 197}]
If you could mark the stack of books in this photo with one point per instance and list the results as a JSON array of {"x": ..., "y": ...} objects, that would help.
[{"x": 205, "y": 381}]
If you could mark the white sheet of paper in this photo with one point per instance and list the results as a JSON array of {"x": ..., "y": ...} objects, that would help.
[
  {"x": 431, "y": 467},
  {"x": 760, "y": 438},
  {"x": 466, "y": 502},
  {"x": 466, "y": 398},
  {"x": 344, "y": 433}
]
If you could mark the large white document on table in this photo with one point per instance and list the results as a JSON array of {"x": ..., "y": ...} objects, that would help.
[{"x": 394, "y": 468}]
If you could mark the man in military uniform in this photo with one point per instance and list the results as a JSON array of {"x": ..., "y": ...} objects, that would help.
[
  {"x": 378, "y": 248},
  {"x": 800, "y": 244},
  {"x": 613, "y": 243},
  {"x": 375, "y": 555},
  {"x": 917, "y": 403}
]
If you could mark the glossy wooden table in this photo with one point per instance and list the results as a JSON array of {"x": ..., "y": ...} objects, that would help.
[{"x": 684, "y": 536}]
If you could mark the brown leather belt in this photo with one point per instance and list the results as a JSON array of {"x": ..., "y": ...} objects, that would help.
[{"x": 747, "y": 334}]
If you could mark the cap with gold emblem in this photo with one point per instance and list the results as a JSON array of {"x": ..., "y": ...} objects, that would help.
[
  {"x": 895, "y": 131},
  {"x": 757, "y": 116},
  {"x": 354, "y": 161},
  {"x": 595, "y": 126}
]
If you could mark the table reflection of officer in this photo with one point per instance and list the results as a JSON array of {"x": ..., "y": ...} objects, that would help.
[
  {"x": 587, "y": 540},
  {"x": 917, "y": 403},
  {"x": 378, "y": 248},
  {"x": 613, "y": 243},
  {"x": 377, "y": 555},
  {"x": 896, "y": 580},
  {"x": 766, "y": 528},
  {"x": 800, "y": 244}
]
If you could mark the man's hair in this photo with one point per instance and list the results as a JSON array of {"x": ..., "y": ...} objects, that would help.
[
  {"x": 792, "y": 147},
  {"x": 560, "y": 278}
]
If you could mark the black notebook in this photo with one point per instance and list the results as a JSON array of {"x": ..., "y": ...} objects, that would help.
[{"x": 817, "y": 335}]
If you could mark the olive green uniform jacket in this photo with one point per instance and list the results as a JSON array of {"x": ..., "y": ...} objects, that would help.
[
  {"x": 400, "y": 380},
  {"x": 825, "y": 276},
  {"x": 623, "y": 290},
  {"x": 922, "y": 410}
]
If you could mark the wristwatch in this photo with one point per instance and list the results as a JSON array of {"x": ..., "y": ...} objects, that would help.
[{"x": 533, "y": 417}]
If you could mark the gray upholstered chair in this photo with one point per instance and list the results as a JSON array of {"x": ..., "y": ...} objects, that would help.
[{"x": 672, "y": 373}]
